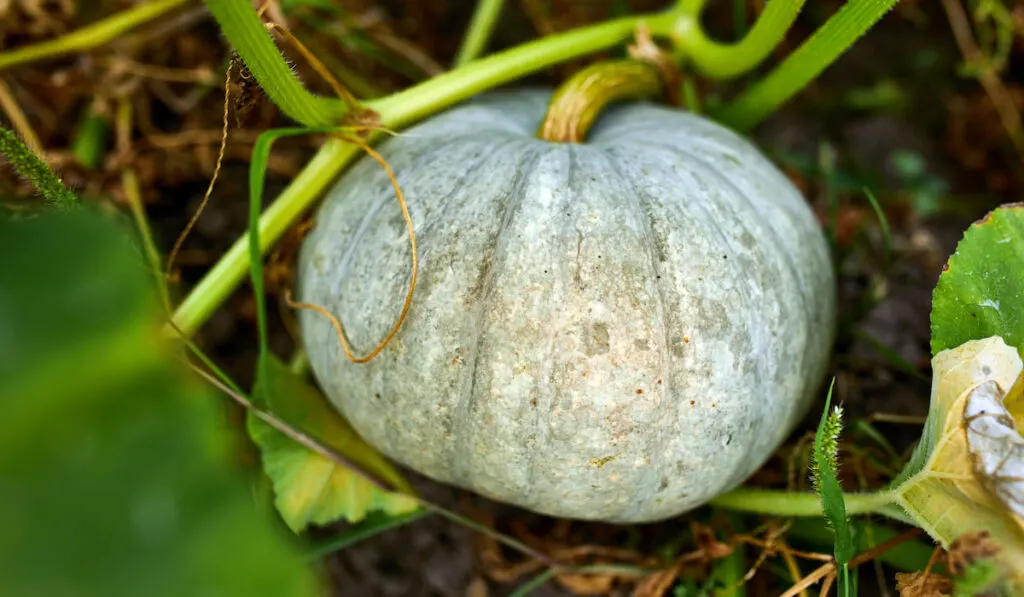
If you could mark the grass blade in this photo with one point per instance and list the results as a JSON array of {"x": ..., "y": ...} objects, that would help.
[
  {"x": 373, "y": 525},
  {"x": 825, "y": 470}
]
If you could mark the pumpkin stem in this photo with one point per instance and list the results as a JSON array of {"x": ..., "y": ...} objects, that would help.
[
  {"x": 575, "y": 106},
  {"x": 578, "y": 102}
]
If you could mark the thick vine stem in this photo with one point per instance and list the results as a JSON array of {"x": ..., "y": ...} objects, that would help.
[
  {"x": 789, "y": 503},
  {"x": 729, "y": 60},
  {"x": 579, "y": 101}
]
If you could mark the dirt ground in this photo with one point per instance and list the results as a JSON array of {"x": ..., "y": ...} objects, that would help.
[{"x": 894, "y": 110}]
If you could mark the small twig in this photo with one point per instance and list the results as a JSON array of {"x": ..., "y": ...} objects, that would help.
[
  {"x": 18, "y": 120},
  {"x": 791, "y": 563},
  {"x": 992, "y": 84},
  {"x": 201, "y": 75},
  {"x": 773, "y": 536},
  {"x": 133, "y": 195},
  {"x": 898, "y": 419},
  {"x": 867, "y": 556},
  {"x": 213, "y": 179},
  {"x": 827, "y": 585}
]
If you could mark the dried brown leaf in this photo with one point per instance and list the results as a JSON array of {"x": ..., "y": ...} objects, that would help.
[
  {"x": 968, "y": 548},
  {"x": 923, "y": 584},
  {"x": 587, "y": 584},
  {"x": 656, "y": 584}
]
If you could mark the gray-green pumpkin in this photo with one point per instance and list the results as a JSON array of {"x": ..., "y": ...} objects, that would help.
[{"x": 618, "y": 330}]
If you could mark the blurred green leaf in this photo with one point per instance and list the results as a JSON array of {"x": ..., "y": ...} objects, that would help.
[
  {"x": 115, "y": 476},
  {"x": 981, "y": 578},
  {"x": 310, "y": 488},
  {"x": 979, "y": 294},
  {"x": 90, "y": 141}
]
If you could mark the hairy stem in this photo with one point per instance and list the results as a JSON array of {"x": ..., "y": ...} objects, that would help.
[
  {"x": 790, "y": 503},
  {"x": 252, "y": 41}
]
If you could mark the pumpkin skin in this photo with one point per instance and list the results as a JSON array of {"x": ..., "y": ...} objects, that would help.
[{"x": 618, "y": 330}]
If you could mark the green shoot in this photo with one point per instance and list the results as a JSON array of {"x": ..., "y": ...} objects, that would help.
[
  {"x": 92, "y": 36},
  {"x": 883, "y": 222},
  {"x": 480, "y": 28},
  {"x": 806, "y": 63},
  {"x": 90, "y": 141},
  {"x": 28, "y": 164},
  {"x": 825, "y": 468}
]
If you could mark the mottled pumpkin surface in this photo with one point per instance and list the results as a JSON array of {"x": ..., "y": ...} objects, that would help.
[{"x": 618, "y": 330}]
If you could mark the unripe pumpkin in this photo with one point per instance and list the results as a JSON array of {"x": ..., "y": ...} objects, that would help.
[{"x": 615, "y": 330}]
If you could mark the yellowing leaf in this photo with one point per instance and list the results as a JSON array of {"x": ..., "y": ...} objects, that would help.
[
  {"x": 962, "y": 478},
  {"x": 310, "y": 488}
]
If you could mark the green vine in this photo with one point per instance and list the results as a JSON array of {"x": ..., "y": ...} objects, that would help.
[
  {"x": 725, "y": 61},
  {"x": 679, "y": 24},
  {"x": 806, "y": 63}
]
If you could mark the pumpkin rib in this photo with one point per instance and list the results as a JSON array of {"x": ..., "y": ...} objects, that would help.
[
  {"x": 757, "y": 208},
  {"x": 644, "y": 217},
  {"x": 796, "y": 280},
  {"x": 544, "y": 379},
  {"x": 472, "y": 170},
  {"x": 369, "y": 219},
  {"x": 713, "y": 138},
  {"x": 722, "y": 238},
  {"x": 456, "y": 465}
]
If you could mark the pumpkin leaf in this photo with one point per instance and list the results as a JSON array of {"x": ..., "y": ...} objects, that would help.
[
  {"x": 309, "y": 487},
  {"x": 979, "y": 292},
  {"x": 115, "y": 473},
  {"x": 825, "y": 467},
  {"x": 965, "y": 473}
]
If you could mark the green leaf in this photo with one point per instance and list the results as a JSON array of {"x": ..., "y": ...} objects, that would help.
[
  {"x": 825, "y": 468},
  {"x": 963, "y": 474},
  {"x": 116, "y": 477},
  {"x": 310, "y": 488},
  {"x": 980, "y": 292}
]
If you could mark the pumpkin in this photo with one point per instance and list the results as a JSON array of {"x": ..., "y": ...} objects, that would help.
[{"x": 617, "y": 330}]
